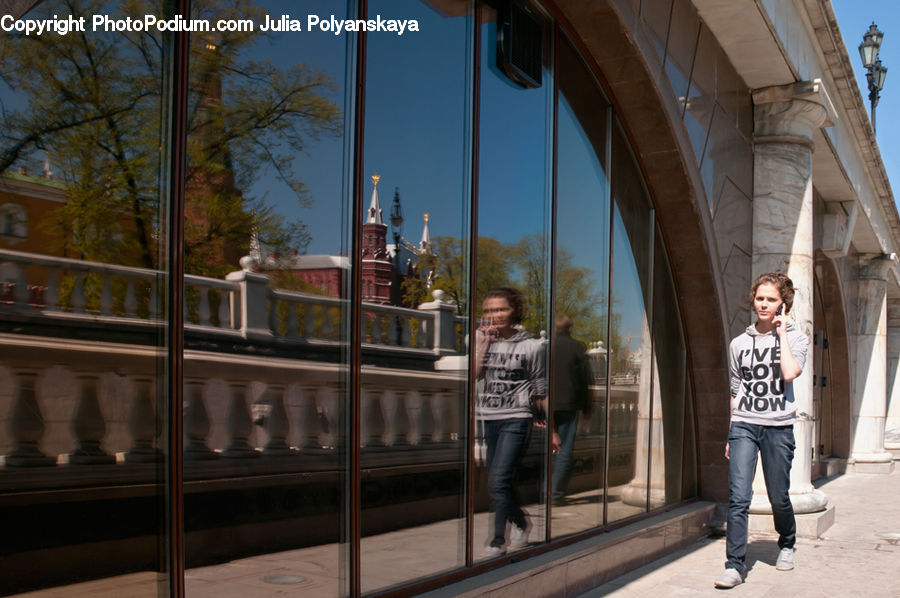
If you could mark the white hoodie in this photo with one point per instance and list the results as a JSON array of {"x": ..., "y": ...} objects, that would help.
[
  {"x": 763, "y": 397},
  {"x": 512, "y": 376}
]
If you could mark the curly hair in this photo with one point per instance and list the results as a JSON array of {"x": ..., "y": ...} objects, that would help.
[
  {"x": 781, "y": 282},
  {"x": 515, "y": 299}
]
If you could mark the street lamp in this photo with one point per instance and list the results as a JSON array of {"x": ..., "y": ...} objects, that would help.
[
  {"x": 875, "y": 72},
  {"x": 396, "y": 228}
]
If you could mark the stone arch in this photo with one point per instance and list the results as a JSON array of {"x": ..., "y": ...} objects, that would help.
[
  {"x": 660, "y": 144},
  {"x": 833, "y": 301}
]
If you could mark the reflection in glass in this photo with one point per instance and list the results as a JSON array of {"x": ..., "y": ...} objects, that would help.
[
  {"x": 265, "y": 296},
  {"x": 513, "y": 218},
  {"x": 82, "y": 256},
  {"x": 630, "y": 343},
  {"x": 415, "y": 282},
  {"x": 581, "y": 289},
  {"x": 669, "y": 365}
]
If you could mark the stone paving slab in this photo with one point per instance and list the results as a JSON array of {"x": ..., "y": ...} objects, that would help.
[{"x": 849, "y": 560}]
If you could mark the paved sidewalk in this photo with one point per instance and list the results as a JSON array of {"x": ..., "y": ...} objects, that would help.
[{"x": 850, "y": 560}]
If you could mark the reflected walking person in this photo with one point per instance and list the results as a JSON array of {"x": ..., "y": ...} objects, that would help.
[
  {"x": 509, "y": 364},
  {"x": 765, "y": 360},
  {"x": 571, "y": 380}
]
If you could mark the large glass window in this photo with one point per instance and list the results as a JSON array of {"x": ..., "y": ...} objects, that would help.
[
  {"x": 581, "y": 288},
  {"x": 267, "y": 272},
  {"x": 630, "y": 381},
  {"x": 669, "y": 368},
  {"x": 512, "y": 284},
  {"x": 414, "y": 366},
  {"x": 581, "y": 410},
  {"x": 82, "y": 304}
]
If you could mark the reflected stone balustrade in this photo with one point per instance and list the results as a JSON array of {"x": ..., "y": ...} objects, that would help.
[{"x": 264, "y": 392}]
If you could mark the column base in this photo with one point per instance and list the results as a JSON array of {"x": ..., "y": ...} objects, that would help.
[
  {"x": 809, "y": 525},
  {"x": 872, "y": 462},
  {"x": 894, "y": 449},
  {"x": 636, "y": 496},
  {"x": 803, "y": 502}
]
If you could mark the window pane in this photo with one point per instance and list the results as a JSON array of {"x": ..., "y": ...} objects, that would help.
[
  {"x": 82, "y": 257},
  {"x": 581, "y": 288},
  {"x": 513, "y": 204},
  {"x": 630, "y": 372},
  {"x": 415, "y": 275},
  {"x": 669, "y": 364},
  {"x": 266, "y": 292}
]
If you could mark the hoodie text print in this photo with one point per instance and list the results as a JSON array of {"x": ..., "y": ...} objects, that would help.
[{"x": 763, "y": 397}]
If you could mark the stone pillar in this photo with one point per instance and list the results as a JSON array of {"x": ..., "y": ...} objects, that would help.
[
  {"x": 892, "y": 422},
  {"x": 870, "y": 380},
  {"x": 785, "y": 120}
]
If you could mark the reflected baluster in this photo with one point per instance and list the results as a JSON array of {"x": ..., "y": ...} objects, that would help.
[
  {"x": 78, "y": 299},
  {"x": 51, "y": 295},
  {"x": 144, "y": 425},
  {"x": 88, "y": 425},
  {"x": 371, "y": 418},
  {"x": 203, "y": 311},
  {"x": 20, "y": 288},
  {"x": 196, "y": 423},
  {"x": 418, "y": 412},
  {"x": 26, "y": 425},
  {"x": 152, "y": 302},
  {"x": 439, "y": 433},
  {"x": 106, "y": 298},
  {"x": 396, "y": 422},
  {"x": 130, "y": 304},
  {"x": 239, "y": 424},
  {"x": 277, "y": 425},
  {"x": 225, "y": 310},
  {"x": 310, "y": 424},
  {"x": 328, "y": 406}
]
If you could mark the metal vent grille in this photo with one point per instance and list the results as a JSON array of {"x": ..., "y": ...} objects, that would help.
[{"x": 520, "y": 39}]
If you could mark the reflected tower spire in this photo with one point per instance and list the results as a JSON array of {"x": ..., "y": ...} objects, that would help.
[
  {"x": 374, "y": 206},
  {"x": 425, "y": 243}
]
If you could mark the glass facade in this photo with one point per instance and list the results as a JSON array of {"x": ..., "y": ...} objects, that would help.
[{"x": 417, "y": 288}]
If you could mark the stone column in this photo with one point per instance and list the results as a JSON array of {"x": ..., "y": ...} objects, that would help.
[
  {"x": 870, "y": 380},
  {"x": 785, "y": 120},
  {"x": 892, "y": 422}
]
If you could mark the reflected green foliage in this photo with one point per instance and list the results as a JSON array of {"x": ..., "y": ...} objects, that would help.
[
  {"x": 93, "y": 102},
  {"x": 522, "y": 264}
]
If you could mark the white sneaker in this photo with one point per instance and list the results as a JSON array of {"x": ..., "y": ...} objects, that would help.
[
  {"x": 785, "y": 561},
  {"x": 518, "y": 536},
  {"x": 491, "y": 552},
  {"x": 729, "y": 579}
]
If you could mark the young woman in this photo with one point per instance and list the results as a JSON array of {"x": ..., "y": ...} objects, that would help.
[
  {"x": 765, "y": 360},
  {"x": 509, "y": 364}
]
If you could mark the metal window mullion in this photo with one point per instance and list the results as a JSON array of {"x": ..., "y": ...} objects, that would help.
[
  {"x": 473, "y": 270},
  {"x": 176, "y": 86},
  {"x": 355, "y": 369},
  {"x": 609, "y": 302}
]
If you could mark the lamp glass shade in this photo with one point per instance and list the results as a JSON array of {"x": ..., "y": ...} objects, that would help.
[
  {"x": 867, "y": 51},
  {"x": 880, "y": 73}
]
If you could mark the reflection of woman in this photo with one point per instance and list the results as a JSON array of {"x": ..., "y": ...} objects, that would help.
[
  {"x": 765, "y": 359},
  {"x": 510, "y": 364}
]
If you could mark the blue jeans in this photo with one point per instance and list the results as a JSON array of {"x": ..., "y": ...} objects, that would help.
[
  {"x": 565, "y": 422},
  {"x": 507, "y": 440},
  {"x": 775, "y": 444}
]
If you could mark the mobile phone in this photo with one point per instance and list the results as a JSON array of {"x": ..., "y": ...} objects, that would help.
[{"x": 779, "y": 310}]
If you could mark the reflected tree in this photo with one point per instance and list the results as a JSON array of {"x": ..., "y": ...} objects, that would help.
[{"x": 92, "y": 102}]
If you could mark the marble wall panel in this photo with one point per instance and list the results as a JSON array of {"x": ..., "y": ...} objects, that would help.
[
  {"x": 681, "y": 47},
  {"x": 732, "y": 220}
]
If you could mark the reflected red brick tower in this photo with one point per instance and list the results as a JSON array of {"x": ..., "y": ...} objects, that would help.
[{"x": 377, "y": 267}]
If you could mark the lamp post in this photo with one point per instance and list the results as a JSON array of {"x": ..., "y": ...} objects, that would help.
[
  {"x": 875, "y": 72},
  {"x": 396, "y": 229}
]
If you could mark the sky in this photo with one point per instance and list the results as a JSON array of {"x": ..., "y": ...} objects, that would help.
[{"x": 854, "y": 18}]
